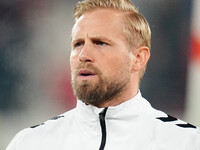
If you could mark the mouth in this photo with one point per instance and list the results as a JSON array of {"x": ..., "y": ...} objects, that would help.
[{"x": 86, "y": 73}]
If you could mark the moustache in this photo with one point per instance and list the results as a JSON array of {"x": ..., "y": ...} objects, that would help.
[{"x": 88, "y": 67}]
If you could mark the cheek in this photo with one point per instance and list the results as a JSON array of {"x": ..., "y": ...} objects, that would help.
[
  {"x": 73, "y": 60},
  {"x": 73, "y": 53},
  {"x": 112, "y": 67},
  {"x": 121, "y": 65}
]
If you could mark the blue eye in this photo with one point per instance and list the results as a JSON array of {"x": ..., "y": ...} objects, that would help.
[
  {"x": 78, "y": 44},
  {"x": 100, "y": 43}
]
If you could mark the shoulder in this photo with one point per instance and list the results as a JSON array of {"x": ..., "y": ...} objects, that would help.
[
  {"x": 172, "y": 132},
  {"x": 160, "y": 120},
  {"x": 166, "y": 121},
  {"x": 36, "y": 133},
  {"x": 55, "y": 122}
]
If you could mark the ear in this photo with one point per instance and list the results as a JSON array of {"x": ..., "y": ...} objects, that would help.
[{"x": 142, "y": 55}]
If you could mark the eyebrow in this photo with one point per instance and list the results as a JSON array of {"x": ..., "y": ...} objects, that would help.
[
  {"x": 76, "y": 40},
  {"x": 95, "y": 38},
  {"x": 101, "y": 38}
]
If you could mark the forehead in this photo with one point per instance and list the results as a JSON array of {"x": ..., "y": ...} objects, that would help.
[{"x": 99, "y": 20}]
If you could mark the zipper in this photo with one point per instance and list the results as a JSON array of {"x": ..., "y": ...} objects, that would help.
[{"x": 103, "y": 128}]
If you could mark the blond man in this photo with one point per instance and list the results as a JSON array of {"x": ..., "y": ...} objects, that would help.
[{"x": 110, "y": 49}]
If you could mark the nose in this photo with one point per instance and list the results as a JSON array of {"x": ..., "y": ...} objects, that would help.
[{"x": 86, "y": 54}]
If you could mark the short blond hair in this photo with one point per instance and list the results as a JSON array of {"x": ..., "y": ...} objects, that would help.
[
  {"x": 136, "y": 28},
  {"x": 86, "y": 5}
]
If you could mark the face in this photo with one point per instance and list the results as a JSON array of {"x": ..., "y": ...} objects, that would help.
[{"x": 100, "y": 58}]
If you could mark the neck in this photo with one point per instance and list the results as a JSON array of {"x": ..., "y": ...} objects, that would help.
[{"x": 119, "y": 99}]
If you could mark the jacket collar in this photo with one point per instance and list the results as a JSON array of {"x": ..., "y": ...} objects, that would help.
[{"x": 133, "y": 106}]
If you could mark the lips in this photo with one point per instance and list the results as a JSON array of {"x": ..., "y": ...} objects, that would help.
[{"x": 85, "y": 73}]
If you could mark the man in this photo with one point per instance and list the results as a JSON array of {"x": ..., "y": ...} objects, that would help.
[{"x": 110, "y": 50}]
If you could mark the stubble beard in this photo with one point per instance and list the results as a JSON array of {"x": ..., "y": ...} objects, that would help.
[{"x": 103, "y": 90}]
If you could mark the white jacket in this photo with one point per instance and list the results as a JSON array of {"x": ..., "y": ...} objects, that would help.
[{"x": 132, "y": 125}]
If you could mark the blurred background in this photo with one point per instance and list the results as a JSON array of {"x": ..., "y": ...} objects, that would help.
[{"x": 34, "y": 61}]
